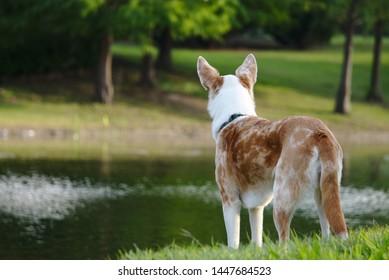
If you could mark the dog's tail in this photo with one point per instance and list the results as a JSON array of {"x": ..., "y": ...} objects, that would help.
[{"x": 330, "y": 156}]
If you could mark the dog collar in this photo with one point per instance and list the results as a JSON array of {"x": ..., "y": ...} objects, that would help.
[{"x": 231, "y": 119}]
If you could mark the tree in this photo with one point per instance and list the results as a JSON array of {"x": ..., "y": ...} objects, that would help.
[
  {"x": 187, "y": 18},
  {"x": 49, "y": 35},
  {"x": 141, "y": 22},
  {"x": 104, "y": 86},
  {"x": 296, "y": 23},
  {"x": 160, "y": 23},
  {"x": 375, "y": 91},
  {"x": 55, "y": 35},
  {"x": 343, "y": 96},
  {"x": 164, "y": 22},
  {"x": 164, "y": 43},
  {"x": 378, "y": 13},
  {"x": 106, "y": 20}
]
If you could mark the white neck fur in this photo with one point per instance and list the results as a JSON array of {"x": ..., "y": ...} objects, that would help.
[{"x": 232, "y": 98}]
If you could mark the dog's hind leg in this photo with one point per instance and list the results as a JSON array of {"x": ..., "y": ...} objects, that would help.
[
  {"x": 325, "y": 226},
  {"x": 231, "y": 213},
  {"x": 286, "y": 196},
  {"x": 282, "y": 219},
  {"x": 256, "y": 224}
]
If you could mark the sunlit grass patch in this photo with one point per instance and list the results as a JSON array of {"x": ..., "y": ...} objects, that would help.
[{"x": 363, "y": 244}]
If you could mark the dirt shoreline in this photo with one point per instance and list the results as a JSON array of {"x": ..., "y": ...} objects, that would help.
[{"x": 181, "y": 134}]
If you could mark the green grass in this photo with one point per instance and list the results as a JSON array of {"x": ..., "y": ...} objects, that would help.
[
  {"x": 32, "y": 109},
  {"x": 315, "y": 72},
  {"x": 363, "y": 244},
  {"x": 289, "y": 83}
]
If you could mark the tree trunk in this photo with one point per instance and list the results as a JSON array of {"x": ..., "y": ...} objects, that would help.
[
  {"x": 343, "y": 97},
  {"x": 375, "y": 92},
  {"x": 147, "y": 75},
  {"x": 165, "y": 44},
  {"x": 104, "y": 87}
]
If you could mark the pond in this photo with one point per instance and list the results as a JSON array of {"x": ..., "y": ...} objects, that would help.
[{"x": 88, "y": 204}]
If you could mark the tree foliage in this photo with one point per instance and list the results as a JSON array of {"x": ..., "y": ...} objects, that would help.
[
  {"x": 160, "y": 23},
  {"x": 44, "y": 36},
  {"x": 296, "y": 23},
  {"x": 185, "y": 18},
  {"x": 48, "y": 35}
]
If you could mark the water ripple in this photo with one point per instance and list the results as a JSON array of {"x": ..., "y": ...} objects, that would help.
[
  {"x": 40, "y": 197},
  {"x": 356, "y": 203}
]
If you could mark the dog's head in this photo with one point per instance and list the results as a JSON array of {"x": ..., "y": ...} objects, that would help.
[
  {"x": 212, "y": 81},
  {"x": 230, "y": 94}
]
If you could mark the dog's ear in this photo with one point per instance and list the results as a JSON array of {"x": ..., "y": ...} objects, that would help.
[
  {"x": 209, "y": 76},
  {"x": 247, "y": 72}
]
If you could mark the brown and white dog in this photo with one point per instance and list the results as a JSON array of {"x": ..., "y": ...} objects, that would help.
[{"x": 257, "y": 159}]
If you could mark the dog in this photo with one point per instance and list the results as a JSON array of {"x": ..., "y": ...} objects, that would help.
[{"x": 258, "y": 160}]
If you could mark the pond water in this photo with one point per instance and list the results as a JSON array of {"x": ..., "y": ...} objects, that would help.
[{"x": 89, "y": 207}]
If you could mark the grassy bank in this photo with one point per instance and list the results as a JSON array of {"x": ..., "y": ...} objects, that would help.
[
  {"x": 363, "y": 244},
  {"x": 289, "y": 83}
]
